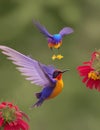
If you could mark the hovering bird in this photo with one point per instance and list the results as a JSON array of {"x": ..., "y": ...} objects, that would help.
[
  {"x": 48, "y": 77},
  {"x": 55, "y": 40}
]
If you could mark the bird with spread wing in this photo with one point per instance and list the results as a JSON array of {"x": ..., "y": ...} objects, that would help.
[
  {"x": 46, "y": 76},
  {"x": 54, "y": 40}
]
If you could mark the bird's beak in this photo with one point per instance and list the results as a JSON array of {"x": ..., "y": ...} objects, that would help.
[{"x": 65, "y": 70}]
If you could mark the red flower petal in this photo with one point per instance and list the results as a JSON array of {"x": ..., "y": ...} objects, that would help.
[
  {"x": 1, "y": 121},
  {"x": 16, "y": 123},
  {"x": 23, "y": 125},
  {"x": 97, "y": 85},
  {"x": 85, "y": 79},
  {"x": 90, "y": 83}
]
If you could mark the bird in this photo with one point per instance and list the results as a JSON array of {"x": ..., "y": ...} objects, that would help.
[
  {"x": 46, "y": 76},
  {"x": 54, "y": 40}
]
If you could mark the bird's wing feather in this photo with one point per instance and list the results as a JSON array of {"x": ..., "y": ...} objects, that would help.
[
  {"x": 31, "y": 68},
  {"x": 42, "y": 29},
  {"x": 66, "y": 31},
  {"x": 48, "y": 69}
]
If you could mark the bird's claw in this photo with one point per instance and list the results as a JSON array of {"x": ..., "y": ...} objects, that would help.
[
  {"x": 54, "y": 57},
  {"x": 57, "y": 57}
]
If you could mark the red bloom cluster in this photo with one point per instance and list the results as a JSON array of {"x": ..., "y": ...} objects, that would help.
[
  {"x": 11, "y": 118},
  {"x": 90, "y": 71}
]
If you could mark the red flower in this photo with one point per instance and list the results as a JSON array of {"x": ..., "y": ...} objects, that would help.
[
  {"x": 90, "y": 71},
  {"x": 11, "y": 118}
]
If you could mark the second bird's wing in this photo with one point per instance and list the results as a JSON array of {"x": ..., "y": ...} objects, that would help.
[
  {"x": 66, "y": 31},
  {"x": 31, "y": 68},
  {"x": 42, "y": 29}
]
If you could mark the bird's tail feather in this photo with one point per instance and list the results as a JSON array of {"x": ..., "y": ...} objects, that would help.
[
  {"x": 38, "y": 95},
  {"x": 38, "y": 103}
]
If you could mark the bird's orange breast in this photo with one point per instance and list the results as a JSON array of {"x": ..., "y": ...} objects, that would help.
[
  {"x": 50, "y": 45},
  {"x": 58, "y": 88}
]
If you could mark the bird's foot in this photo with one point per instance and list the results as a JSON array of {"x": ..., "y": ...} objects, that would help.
[
  {"x": 54, "y": 57},
  {"x": 59, "y": 56}
]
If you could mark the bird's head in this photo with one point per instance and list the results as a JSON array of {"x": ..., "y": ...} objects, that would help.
[
  {"x": 57, "y": 74},
  {"x": 57, "y": 37}
]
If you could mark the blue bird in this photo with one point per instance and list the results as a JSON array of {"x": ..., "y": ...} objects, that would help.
[
  {"x": 55, "y": 40},
  {"x": 46, "y": 76}
]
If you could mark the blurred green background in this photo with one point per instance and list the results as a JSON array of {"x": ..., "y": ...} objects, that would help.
[{"x": 76, "y": 108}]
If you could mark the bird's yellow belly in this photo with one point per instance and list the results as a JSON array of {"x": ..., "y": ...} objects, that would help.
[{"x": 57, "y": 89}]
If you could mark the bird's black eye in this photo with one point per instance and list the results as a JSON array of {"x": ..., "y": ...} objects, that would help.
[{"x": 56, "y": 73}]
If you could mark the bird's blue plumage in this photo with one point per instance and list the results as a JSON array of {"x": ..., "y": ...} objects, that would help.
[
  {"x": 43, "y": 95},
  {"x": 57, "y": 38},
  {"x": 49, "y": 70}
]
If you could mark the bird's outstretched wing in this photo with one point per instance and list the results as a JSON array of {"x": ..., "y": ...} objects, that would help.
[
  {"x": 66, "y": 31},
  {"x": 42, "y": 29},
  {"x": 32, "y": 69},
  {"x": 48, "y": 69}
]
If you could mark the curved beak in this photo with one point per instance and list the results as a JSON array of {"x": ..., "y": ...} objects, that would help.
[{"x": 65, "y": 70}]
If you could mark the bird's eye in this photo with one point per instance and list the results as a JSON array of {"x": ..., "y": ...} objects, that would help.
[{"x": 56, "y": 73}]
